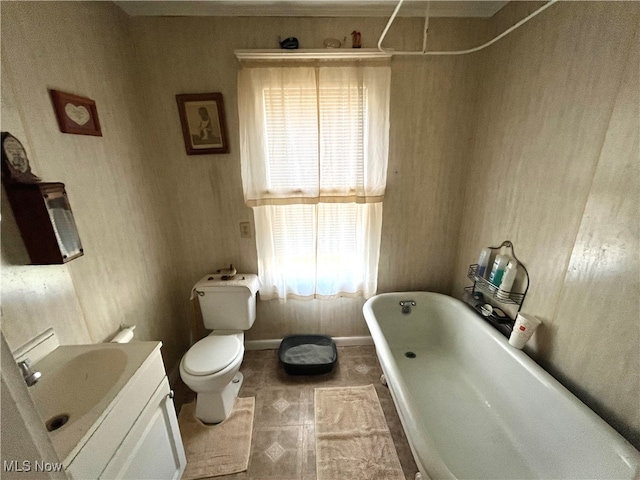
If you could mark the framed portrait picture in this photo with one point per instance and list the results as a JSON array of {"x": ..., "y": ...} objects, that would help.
[
  {"x": 75, "y": 114},
  {"x": 203, "y": 123}
]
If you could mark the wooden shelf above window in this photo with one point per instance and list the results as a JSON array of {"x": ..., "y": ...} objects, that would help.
[{"x": 312, "y": 54}]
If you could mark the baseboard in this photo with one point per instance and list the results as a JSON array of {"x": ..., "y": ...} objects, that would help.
[
  {"x": 274, "y": 343},
  {"x": 353, "y": 341}
]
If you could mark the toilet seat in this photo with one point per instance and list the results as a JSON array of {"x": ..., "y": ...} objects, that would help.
[{"x": 212, "y": 354}]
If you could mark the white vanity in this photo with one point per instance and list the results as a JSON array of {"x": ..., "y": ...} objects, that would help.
[{"x": 110, "y": 411}]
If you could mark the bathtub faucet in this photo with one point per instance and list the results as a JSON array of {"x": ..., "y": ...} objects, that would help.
[{"x": 406, "y": 306}]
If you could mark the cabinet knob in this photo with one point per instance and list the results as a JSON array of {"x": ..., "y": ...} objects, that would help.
[{"x": 171, "y": 394}]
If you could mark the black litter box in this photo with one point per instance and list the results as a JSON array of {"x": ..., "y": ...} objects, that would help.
[{"x": 307, "y": 354}]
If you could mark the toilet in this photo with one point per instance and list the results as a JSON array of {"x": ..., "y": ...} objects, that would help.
[{"x": 211, "y": 367}]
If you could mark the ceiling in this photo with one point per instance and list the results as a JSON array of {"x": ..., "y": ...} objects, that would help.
[{"x": 310, "y": 8}]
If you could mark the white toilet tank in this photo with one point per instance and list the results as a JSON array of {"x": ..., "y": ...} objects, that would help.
[{"x": 227, "y": 304}]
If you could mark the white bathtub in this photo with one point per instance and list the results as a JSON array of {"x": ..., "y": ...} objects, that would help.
[{"x": 474, "y": 407}]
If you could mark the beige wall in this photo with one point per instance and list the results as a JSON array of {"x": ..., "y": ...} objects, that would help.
[
  {"x": 128, "y": 272},
  {"x": 555, "y": 169},
  {"x": 430, "y": 132},
  {"x": 531, "y": 140},
  {"x": 154, "y": 220}
]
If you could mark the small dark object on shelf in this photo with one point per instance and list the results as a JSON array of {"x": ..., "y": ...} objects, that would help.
[
  {"x": 499, "y": 316},
  {"x": 307, "y": 354},
  {"x": 496, "y": 314},
  {"x": 503, "y": 324},
  {"x": 356, "y": 39},
  {"x": 290, "y": 43}
]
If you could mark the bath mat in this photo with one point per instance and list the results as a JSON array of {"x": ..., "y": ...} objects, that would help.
[
  {"x": 352, "y": 437},
  {"x": 214, "y": 450}
]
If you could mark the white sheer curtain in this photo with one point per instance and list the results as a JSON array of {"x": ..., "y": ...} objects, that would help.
[{"x": 314, "y": 147}]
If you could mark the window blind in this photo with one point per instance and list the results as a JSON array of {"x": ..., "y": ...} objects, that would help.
[{"x": 295, "y": 119}]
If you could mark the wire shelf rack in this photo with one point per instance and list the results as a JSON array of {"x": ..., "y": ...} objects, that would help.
[{"x": 481, "y": 284}]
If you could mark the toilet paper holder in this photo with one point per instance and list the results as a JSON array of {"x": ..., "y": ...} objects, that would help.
[{"x": 125, "y": 335}]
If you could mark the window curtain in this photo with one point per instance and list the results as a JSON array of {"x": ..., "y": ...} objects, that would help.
[{"x": 314, "y": 148}]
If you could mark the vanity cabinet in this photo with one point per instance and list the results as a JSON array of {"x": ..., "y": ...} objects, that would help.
[
  {"x": 139, "y": 437},
  {"x": 153, "y": 448}
]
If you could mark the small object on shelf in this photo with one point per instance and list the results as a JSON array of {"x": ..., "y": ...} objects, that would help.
[
  {"x": 509, "y": 276},
  {"x": 290, "y": 43},
  {"x": 483, "y": 261},
  {"x": 331, "y": 43},
  {"x": 503, "y": 324},
  {"x": 356, "y": 39},
  {"x": 497, "y": 271},
  {"x": 496, "y": 314},
  {"x": 499, "y": 315}
]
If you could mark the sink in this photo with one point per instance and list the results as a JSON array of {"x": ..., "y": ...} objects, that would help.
[
  {"x": 80, "y": 382},
  {"x": 79, "y": 386}
]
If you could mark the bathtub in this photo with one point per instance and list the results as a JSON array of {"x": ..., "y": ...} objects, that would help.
[{"x": 472, "y": 406}]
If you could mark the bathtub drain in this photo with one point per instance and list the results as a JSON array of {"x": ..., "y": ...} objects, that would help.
[{"x": 410, "y": 355}]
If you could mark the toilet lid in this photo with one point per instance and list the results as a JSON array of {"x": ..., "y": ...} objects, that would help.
[{"x": 212, "y": 354}]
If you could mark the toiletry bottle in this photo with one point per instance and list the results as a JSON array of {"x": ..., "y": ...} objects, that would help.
[
  {"x": 497, "y": 271},
  {"x": 483, "y": 262},
  {"x": 509, "y": 276}
]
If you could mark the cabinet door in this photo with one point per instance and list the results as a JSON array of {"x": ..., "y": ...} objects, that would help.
[{"x": 153, "y": 447}]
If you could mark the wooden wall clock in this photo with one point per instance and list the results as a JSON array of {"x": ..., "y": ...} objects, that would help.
[{"x": 15, "y": 163}]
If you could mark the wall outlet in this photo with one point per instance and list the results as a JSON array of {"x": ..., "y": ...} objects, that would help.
[{"x": 245, "y": 230}]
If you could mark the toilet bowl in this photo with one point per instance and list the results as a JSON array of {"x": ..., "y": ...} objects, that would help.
[{"x": 211, "y": 367}]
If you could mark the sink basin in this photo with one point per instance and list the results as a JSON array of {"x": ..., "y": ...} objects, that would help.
[{"x": 79, "y": 385}]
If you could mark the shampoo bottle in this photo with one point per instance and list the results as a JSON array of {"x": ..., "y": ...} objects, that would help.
[
  {"x": 483, "y": 262},
  {"x": 509, "y": 276},
  {"x": 497, "y": 271}
]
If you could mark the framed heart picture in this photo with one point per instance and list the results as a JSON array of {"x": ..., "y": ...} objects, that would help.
[{"x": 75, "y": 114}]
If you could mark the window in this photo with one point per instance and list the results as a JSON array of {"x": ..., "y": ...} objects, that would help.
[{"x": 314, "y": 144}]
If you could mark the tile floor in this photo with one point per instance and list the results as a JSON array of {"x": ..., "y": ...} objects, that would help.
[{"x": 283, "y": 440}]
